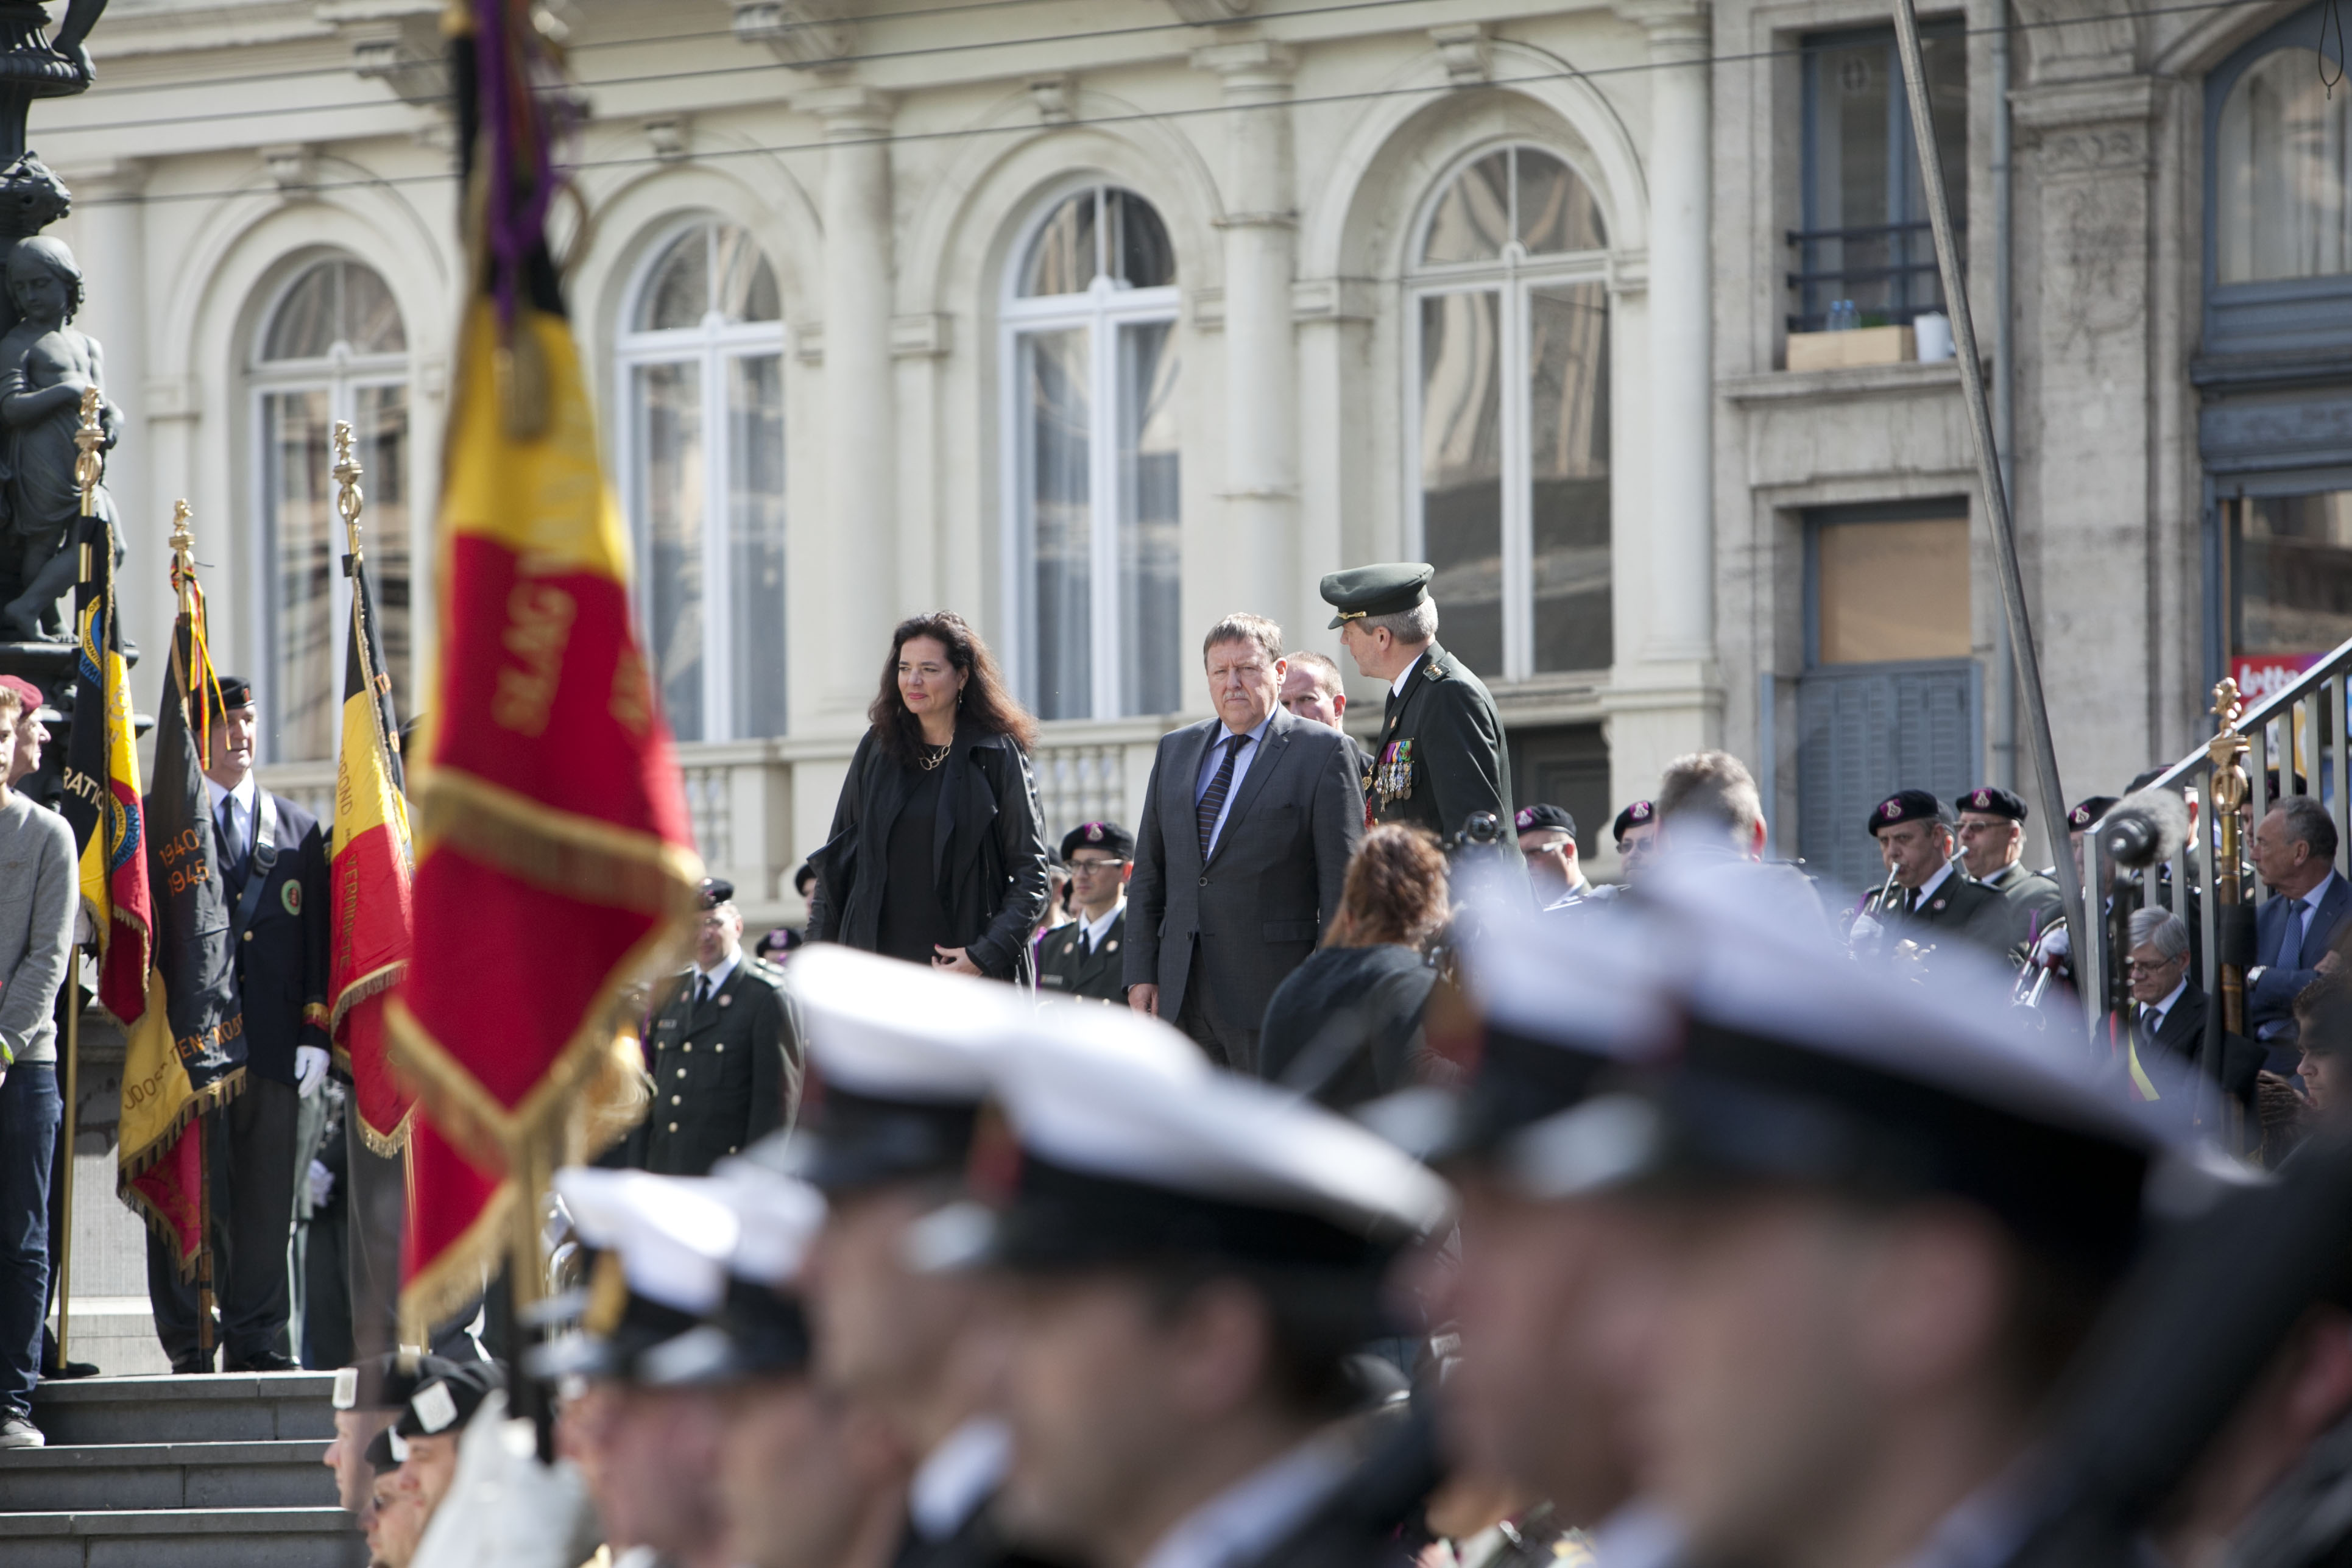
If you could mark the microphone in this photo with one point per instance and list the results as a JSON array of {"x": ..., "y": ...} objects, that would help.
[{"x": 2147, "y": 827}]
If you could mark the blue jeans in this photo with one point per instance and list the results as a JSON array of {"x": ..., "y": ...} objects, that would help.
[{"x": 30, "y": 1112}]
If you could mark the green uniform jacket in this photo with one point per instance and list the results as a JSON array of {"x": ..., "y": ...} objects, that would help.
[
  {"x": 2034, "y": 901},
  {"x": 1443, "y": 742},
  {"x": 1959, "y": 910},
  {"x": 724, "y": 1073},
  {"x": 1064, "y": 967}
]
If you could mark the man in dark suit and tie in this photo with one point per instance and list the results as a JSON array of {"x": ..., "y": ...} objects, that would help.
[
  {"x": 2294, "y": 855},
  {"x": 1248, "y": 823},
  {"x": 273, "y": 860},
  {"x": 2170, "y": 1008},
  {"x": 1932, "y": 899}
]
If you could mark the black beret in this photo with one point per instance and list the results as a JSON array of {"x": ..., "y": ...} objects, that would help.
[
  {"x": 1108, "y": 835},
  {"x": 381, "y": 1383},
  {"x": 381, "y": 1454},
  {"x": 803, "y": 877},
  {"x": 446, "y": 1403},
  {"x": 235, "y": 691},
  {"x": 1906, "y": 805},
  {"x": 1991, "y": 800},
  {"x": 717, "y": 890},
  {"x": 1387, "y": 589},
  {"x": 1639, "y": 813},
  {"x": 1544, "y": 818},
  {"x": 2087, "y": 812}
]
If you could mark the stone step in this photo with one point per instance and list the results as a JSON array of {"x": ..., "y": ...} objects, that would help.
[
  {"x": 150, "y": 1476},
  {"x": 181, "y": 1538},
  {"x": 228, "y": 1407}
]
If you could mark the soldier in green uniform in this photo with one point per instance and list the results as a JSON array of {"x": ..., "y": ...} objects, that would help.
[
  {"x": 1992, "y": 842},
  {"x": 1082, "y": 958},
  {"x": 1928, "y": 899},
  {"x": 1441, "y": 756},
  {"x": 723, "y": 1050}
]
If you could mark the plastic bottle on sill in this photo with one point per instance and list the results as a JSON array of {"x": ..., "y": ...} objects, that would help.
[{"x": 1843, "y": 317}]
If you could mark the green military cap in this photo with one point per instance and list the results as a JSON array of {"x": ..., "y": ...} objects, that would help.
[{"x": 1383, "y": 590}]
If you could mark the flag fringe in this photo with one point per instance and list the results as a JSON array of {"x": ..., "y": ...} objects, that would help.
[
  {"x": 373, "y": 984},
  {"x": 559, "y": 851},
  {"x": 472, "y": 1117},
  {"x": 132, "y": 1164},
  {"x": 456, "y": 1277}
]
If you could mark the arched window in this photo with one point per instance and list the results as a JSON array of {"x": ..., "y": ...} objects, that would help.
[
  {"x": 331, "y": 348},
  {"x": 1092, "y": 464},
  {"x": 2280, "y": 162},
  {"x": 1510, "y": 395},
  {"x": 702, "y": 360}
]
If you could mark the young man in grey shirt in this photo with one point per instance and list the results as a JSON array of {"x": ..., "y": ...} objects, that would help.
[{"x": 39, "y": 891}]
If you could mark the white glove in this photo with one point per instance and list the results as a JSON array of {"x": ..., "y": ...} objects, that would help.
[
  {"x": 1864, "y": 930},
  {"x": 310, "y": 1069},
  {"x": 322, "y": 1185},
  {"x": 2055, "y": 949}
]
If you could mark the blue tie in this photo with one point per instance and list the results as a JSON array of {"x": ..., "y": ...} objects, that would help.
[
  {"x": 1213, "y": 799},
  {"x": 2289, "y": 955}
]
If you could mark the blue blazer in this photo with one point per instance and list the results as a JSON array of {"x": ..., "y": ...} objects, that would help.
[{"x": 2270, "y": 1008}]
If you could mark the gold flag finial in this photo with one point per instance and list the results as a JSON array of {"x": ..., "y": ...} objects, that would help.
[
  {"x": 349, "y": 501},
  {"x": 88, "y": 467}
]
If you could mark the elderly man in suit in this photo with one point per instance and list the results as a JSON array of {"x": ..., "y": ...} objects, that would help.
[
  {"x": 1248, "y": 823},
  {"x": 2168, "y": 1007},
  {"x": 2294, "y": 855}
]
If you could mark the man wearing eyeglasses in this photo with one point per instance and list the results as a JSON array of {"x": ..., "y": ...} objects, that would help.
[
  {"x": 2168, "y": 1007},
  {"x": 1082, "y": 959}
]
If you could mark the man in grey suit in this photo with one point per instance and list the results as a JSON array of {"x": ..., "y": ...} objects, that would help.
[{"x": 1248, "y": 823}]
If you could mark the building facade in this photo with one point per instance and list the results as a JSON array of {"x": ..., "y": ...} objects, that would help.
[{"x": 1097, "y": 322}]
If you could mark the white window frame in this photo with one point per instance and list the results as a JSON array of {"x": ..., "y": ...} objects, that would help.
[
  {"x": 706, "y": 345},
  {"x": 1106, "y": 306},
  {"x": 341, "y": 375},
  {"x": 1514, "y": 275}
]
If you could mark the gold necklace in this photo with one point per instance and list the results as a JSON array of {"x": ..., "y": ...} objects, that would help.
[{"x": 938, "y": 754}]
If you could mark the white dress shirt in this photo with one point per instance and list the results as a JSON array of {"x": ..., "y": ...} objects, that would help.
[
  {"x": 244, "y": 794},
  {"x": 1927, "y": 889},
  {"x": 2154, "y": 1014},
  {"x": 1214, "y": 759},
  {"x": 718, "y": 977},
  {"x": 1396, "y": 686},
  {"x": 958, "y": 1476},
  {"x": 1242, "y": 1522},
  {"x": 1097, "y": 929}
]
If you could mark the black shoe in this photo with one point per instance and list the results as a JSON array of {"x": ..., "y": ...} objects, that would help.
[
  {"x": 263, "y": 1361},
  {"x": 190, "y": 1365},
  {"x": 72, "y": 1369}
]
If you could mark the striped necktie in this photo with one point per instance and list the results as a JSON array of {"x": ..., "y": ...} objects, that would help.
[{"x": 1213, "y": 799}]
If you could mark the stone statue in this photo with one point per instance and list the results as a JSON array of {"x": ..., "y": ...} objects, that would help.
[{"x": 44, "y": 367}]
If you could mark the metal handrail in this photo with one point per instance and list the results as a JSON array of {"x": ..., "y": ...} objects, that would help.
[{"x": 2329, "y": 683}]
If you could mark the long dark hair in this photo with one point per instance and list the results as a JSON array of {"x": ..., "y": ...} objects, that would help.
[{"x": 988, "y": 709}]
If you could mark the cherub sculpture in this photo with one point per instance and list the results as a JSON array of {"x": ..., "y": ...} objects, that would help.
[{"x": 44, "y": 367}]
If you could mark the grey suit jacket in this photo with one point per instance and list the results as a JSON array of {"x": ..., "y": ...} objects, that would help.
[{"x": 1259, "y": 906}]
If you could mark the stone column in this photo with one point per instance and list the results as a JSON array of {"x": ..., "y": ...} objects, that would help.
[
  {"x": 855, "y": 587},
  {"x": 1664, "y": 697},
  {"x": 1681, "y": 360},
  {"x": 1261, "y": 481}
]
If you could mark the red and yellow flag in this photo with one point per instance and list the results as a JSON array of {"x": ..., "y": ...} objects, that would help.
[
  {"x": 101, "y": 785},
  {"x": 373, "y": 916},
  {"x": 554, "y": 864}
]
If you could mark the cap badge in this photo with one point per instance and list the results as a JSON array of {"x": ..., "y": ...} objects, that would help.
[
  {"x": 1640, "y": 811},
  {"x": 436, "y": 1410},
  {"x": 1527, "y": 814},
  {"x": 1094, "y": 832},
  {"x": 1891, "y": 810}
]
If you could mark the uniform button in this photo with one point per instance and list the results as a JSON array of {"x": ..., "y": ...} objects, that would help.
[
  {"x": 673, "y": 1126},
  {"x": 687, "y": 1046},
  {"x": 249, "y": 936},
  {"x": 720, "y": 1046},
  {"x": 730, "y": 1148},
  {"x": 1204, "y": 881},
  {"x": 682, "y": 1072},
  {"x": 677, "y": 1100}
]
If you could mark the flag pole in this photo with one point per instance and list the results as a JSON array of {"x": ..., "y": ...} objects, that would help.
[
  {"x": 184, "y": 577},
  {"x": 88, "y": 468}
]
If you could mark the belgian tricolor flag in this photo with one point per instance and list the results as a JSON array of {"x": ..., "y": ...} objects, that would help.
[
  {"x": 372, "y": 920},
  {"x": 101, "y": 783}
]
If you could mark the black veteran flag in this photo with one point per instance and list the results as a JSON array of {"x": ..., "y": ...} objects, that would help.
[{"x": 186, "y": 1053}]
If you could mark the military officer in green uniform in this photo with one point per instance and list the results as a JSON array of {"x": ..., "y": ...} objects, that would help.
[
  {"x": 1441, "y": 756},
  {"x": 722, "y": 1051},
  {"x": 1082, "y": 958},
  {"x": 1928, "y": 899},
  {"x": 1992, "y": 843}
]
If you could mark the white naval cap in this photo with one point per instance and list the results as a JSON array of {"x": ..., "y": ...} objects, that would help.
[
  {"x": 776, "y": 1218},
  {"x": 1114, "y": 1152},
  {"x": 888, "y": 1030},
  {"x": 673, "y": 1235},
  {"x": 1797, "y": 1062}
]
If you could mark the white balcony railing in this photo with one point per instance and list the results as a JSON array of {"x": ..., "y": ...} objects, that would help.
[{"x": 759, "y": 808}]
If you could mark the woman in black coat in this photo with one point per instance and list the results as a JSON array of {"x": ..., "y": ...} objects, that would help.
[
  {"x": 937, "y": 855},
  {"x": 1345, "y": 1026}
]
